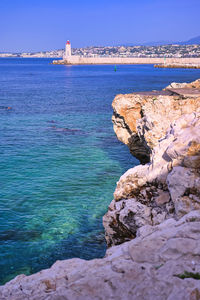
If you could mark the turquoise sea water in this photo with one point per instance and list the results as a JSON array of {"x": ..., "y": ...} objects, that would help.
[{"x": 59, "y": 157}]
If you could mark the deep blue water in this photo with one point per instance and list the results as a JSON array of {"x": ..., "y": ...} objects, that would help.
[{"x": 59, "y": 157}]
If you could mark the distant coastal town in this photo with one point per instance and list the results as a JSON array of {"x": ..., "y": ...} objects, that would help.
[{"x": 168, "y": 51}]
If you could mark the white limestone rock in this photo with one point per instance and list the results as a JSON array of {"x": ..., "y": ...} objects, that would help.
[
  {"x": 140, "y": 120},
  {"x": 169, "y": 186}
]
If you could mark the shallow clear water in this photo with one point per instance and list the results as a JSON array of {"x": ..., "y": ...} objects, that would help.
[{"x": 59, "y": 157}]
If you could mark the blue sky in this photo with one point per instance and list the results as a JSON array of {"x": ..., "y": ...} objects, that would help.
[{"x": 33, "y": 25}]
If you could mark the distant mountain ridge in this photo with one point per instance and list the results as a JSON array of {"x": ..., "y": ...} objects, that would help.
[{"x": 193, "y": 41}]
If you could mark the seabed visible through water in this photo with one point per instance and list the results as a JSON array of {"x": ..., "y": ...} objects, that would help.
[{"x": 60, "y": 159}]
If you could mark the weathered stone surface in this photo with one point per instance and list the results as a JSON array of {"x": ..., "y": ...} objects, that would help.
[
  {"x": 140, "y": 120},
  {"x": 177, "y": 85},
  {"x": 148, "y": 267},
  {"x": 195, "y": 84},
  {"x": 169, "y": 186},
  {"x": 184, "y": 186},
  {"x": 186, "y": 92}
]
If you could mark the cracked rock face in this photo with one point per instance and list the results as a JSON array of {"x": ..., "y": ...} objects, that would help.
[
  {"x": 168, "y": 186},
  {"x": 151, "y": 267},
  {"x": 140, "y": 120}
]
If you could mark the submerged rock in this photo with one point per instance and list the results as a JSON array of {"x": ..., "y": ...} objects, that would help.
[
  {"x": 65, "y": 130},
  {"x": 5, "y": 107},
  {"x": 19, "y": 235}
]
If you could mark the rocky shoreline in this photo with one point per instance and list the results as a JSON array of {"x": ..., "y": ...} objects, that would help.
[
  {"x": 162, "y": 130},
  {"x": 152, "y": 226}
]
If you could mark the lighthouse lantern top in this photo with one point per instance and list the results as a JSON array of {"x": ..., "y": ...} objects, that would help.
[{"x": 68, "y": 42}]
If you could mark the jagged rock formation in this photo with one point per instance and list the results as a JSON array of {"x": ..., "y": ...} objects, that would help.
[
  {"x": 141, "y": 119},
  {"x": 162, "y": 262},
  {"x": 169, "y": 186},
  {"x": 155, "y": 211}
]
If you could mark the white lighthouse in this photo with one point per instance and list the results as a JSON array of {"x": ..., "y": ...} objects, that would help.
[{"x": 68, "y": 52}]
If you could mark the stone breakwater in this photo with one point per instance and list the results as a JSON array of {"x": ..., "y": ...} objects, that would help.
[
  {"x": 178, "y": 66},
  {"x": 155, "y": 214},
  {"x": 78, "y": 60}
]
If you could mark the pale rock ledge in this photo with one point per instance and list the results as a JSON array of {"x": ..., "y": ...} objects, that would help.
[{"x": 141, "y": 119}]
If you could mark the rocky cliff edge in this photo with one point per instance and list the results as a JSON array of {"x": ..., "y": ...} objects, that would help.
[
  {"x": 141, "y": 119},
  {"x": 163, "y": 130}
]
